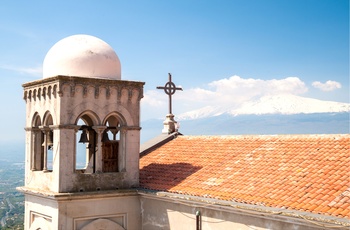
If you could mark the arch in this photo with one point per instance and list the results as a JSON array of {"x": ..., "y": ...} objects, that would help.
[
  {"x": 39, "y": 93},
  {"x": 126, "y": 115},
  {"x": 37, "y": 139},
  {"x": 54, "y": 91},
  {"x": 102, "y": 224},
  {"x": 113, "y": 148},
  {"x": 25, "y": 95},
  {"x": 44, "y": 93},
  {"x": 49, "y": 91},
  {"x": 114, "y": 119},
  {"x": 85, "y": 157},
  {"x": 30, "y": 94},
  {"x": 34, "y": 94},
  {"x": 48, "y": 141},
  {"x": 47, "y": 119},
  {"x": 89, "y": 117},
  {"x": 36, "y": 121}
]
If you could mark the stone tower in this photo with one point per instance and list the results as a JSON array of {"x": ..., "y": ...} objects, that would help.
[{"x": 82, "y": 140}]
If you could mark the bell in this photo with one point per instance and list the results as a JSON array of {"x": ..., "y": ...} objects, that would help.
[
  {"x": 105, "y": 137},
  {"x": 83, "y": 137},
  {"x": 50, "y": 141}
]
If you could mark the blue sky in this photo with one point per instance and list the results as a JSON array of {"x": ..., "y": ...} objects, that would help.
[{"x": 202, "y": 43}]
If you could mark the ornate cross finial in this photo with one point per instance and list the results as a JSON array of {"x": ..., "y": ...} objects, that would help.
[{"x": 169, "y": 88}]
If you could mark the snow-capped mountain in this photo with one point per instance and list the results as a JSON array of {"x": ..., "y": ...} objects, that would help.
[{"x": 277, "y": 104}]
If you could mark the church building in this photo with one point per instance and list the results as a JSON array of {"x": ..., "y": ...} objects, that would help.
[{"x": 85, "y": 168}]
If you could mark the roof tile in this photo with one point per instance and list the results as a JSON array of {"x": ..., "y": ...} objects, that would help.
[{"x": 300, "y": 172}]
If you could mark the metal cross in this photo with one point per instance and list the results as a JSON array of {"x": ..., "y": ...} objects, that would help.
[{"x": 169, "y": 88}]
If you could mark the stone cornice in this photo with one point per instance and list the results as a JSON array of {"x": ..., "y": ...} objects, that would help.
[
  {"x": 62, "y": 78},
  {"x": 77, "y": 127},
  {"x": 53, "y": 87},
  {"x": 131, "y": 127},
  {"x": 77, "y": 195}
]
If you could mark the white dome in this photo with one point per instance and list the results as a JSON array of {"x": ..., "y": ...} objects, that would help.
[{"x": 82, "y": 56}]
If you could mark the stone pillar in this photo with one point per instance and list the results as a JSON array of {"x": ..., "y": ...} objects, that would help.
[
  {"x": 122, "y": 150},
  {"x": 46, "y": 131},
  {"x": 35, "y": 149},
  {"x": 98, "y": 152},
  {"x": 170, "y": 125}
]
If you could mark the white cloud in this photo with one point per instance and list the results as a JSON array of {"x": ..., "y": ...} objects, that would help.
[
  {"x": 32, "y": 71},
  {"x": 153, "y": 98},
  {"x": 244, "y": 89},
  {"x": 327, "y": 86},
  {"x": 228, "y": 92}
]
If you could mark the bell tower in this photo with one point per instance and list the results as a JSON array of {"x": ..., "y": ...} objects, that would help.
[{"x": 82, "y": 140}]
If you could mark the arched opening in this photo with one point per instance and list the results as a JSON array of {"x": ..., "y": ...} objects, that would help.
[
  {"x": 47, "y": 142},
  {"x": 85, "y": 157},
  {"x": 37, "y": 150},
  {"x": 112, "y": 145}
]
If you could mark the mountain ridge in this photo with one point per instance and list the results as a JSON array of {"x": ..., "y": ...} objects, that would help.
[
  {"x": 286, "y": 104},
  {"x": 263, "y": 124}
]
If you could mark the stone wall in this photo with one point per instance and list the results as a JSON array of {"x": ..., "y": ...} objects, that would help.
[{"x": 162, "y": 213}]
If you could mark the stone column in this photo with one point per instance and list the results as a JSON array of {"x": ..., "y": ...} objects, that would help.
[
  {"x": 46, "y": 131},
  {"x": 122, "y": 150},
  {"x": 98, "y": 152},
  {"x": 35, "y": 149},
  {"x": 75, "y": 147}
]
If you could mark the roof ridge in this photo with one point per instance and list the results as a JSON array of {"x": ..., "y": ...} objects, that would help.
[{"x": 238, "y": 136}]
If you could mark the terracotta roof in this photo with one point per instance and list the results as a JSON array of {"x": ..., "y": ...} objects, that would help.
[{"x": 298, "y": 172}]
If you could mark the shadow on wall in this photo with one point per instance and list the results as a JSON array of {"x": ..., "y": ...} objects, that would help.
[
  {"x": 163, "y": 177},
  {"x": 163, "y": 214}
]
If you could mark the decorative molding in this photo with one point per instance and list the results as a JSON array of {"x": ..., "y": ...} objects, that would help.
[
  {"x": 102, "y": 223},
  {"x": 34, "y": 129},
  {"x": 38, "y": 90},
  {"x": 119, "y": 93},
  {"x": 44, "y": 93},
  {"x": 52, "y": 127},
  {"x": 140, "y": 94},
  {"x": 108, "y": 92},
  {"x": 60, "y": 92},
  {"x": 97, "y": 91},
  {"x": 39, "y": 221},
  {"x": 85, "y": 90},
  {"x": 72, "y": 90},
  {"x": 64, "y": 126},
  {"x": 130, "y": 91},
  {"x": 131, "y": 127},
  {"x": 41, "y": 92},
  {"x": 120, "y": 219}
]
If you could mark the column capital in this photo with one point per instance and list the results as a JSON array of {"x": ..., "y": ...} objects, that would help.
[
  {"x": 34, "y": 129},
  {"x": 45, "y": 129},
  {"x": 99, "y": 128},
  {"x": 76, "y": 127}
]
